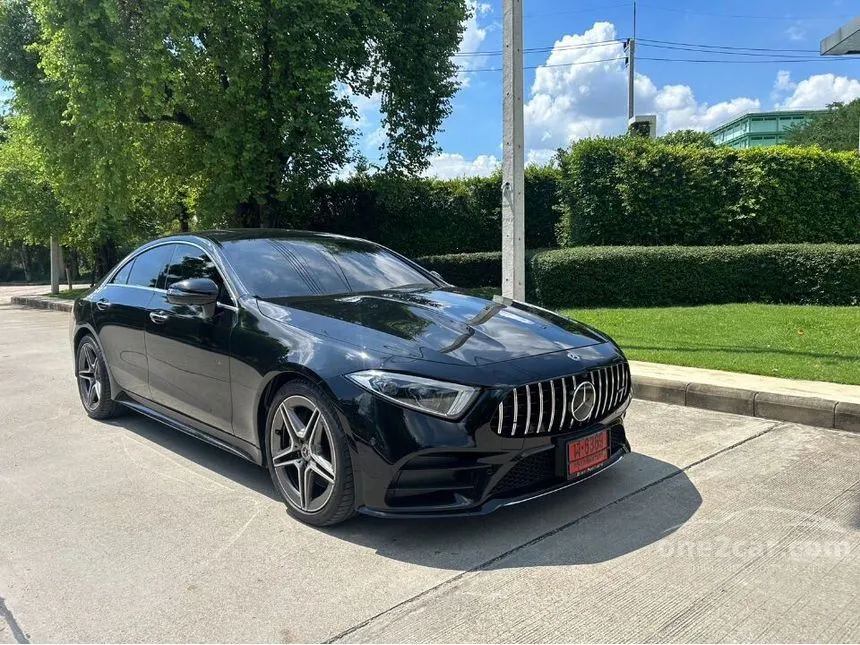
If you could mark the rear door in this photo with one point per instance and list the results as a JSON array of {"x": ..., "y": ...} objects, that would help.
[
  {"x": 188, "y": 353},
  {"x": 120, "y": 314}
]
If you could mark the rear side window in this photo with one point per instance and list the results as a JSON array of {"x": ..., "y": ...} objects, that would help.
[
  {"x": 121, "y": 276},
  {"x": 149, "y": 267}
]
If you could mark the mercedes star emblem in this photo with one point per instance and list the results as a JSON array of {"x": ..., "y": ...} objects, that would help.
[{"x": 582, "y": 402}]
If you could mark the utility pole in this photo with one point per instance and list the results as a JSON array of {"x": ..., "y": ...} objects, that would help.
[
  {"x": 513, "y": 156},
  {"x": 631, "y": 68}
]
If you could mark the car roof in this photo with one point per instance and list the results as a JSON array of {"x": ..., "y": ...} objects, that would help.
[{"x": 231, "y": 235}]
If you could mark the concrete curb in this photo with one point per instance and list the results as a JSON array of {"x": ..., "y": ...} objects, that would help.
[
  {"x": 808, "y": 410},
  {"x": 43, "y": 302}
]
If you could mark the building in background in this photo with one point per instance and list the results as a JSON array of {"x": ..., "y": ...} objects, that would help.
[
  {"x": 758, "y": 129},
  {"x": 845, "y": 41}
]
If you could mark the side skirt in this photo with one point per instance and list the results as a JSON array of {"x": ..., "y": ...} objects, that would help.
[{"x": 189, "y": 426}]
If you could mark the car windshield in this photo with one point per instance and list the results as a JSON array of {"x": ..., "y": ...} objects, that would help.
[{"x": 281, "y": 268}]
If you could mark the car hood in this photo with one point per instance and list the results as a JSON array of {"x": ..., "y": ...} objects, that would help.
[{"x": 434, "y": 324}]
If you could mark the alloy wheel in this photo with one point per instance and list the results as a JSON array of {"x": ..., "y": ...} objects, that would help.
[
  {"x": 302, "y": 453},
  {"x": 89, "y": 376}
]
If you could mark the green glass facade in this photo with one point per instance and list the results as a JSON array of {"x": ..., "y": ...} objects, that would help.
[{"x": 759, "y": 129}]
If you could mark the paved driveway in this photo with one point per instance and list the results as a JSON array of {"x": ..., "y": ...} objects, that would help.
[{"x": 718, "y": 528}]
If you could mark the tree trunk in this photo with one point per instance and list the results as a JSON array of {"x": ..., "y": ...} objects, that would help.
[
  {"x": 183, "y": 217},
  {"x": 25, "y": 263}
]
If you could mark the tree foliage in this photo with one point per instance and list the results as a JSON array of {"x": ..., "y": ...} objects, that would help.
[
  {"x": 230, "y": 110},
  {"x": 690, "y": 138},
  {"x": 838, "y": 128}
]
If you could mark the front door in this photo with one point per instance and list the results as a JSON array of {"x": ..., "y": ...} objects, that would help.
[{"x": 188, "y": 353}]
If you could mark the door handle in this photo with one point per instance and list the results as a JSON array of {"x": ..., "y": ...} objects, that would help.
[
  {"x": 158, "y": 317},
  {"x": 103, "y": 304}
]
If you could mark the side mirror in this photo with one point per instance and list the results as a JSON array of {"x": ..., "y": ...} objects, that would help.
[
  {"x": 202, "y": 292},
  {"x": 437, "y": 275}
]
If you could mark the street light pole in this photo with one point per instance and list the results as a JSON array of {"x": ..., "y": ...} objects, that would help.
[{"x": 513, "y": 156}]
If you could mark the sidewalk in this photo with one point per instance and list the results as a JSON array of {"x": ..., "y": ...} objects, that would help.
[
  {"x": 32, "y": 295},
  {"x": 827, "y": 405}
]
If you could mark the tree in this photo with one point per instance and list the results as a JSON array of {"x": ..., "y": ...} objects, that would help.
[
  {"x": 231, "y": 109},
  {"x": 837, "y": 128},
  {"x": 689, "y": 138}
]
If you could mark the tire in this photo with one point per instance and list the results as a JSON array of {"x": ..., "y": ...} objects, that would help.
[
  {"x": 93, "y": 382},
  {"x": 308, "y": 456}
]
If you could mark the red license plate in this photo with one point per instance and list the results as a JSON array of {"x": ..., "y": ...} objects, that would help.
[{"x": 587, "y": 453}]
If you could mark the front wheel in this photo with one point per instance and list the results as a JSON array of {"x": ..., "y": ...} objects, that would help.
[{"x": 308, "y": 456}]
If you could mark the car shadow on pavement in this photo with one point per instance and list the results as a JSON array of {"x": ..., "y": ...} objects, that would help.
[
  {"x": 637, "y": 502},
  {"x": 215, "y": 459}
]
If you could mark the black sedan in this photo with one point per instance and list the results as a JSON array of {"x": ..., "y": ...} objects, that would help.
[{"x": 362, "y": 381}]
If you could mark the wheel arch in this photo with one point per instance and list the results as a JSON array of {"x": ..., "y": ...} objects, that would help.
[{"x": 275, "y": 382}]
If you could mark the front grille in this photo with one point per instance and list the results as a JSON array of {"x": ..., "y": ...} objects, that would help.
[{"x": 545, "y": 407}]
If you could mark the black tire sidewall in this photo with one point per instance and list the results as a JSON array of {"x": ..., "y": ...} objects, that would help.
[
  {"x": 106, "y": 407},
  {"x": 341, "y": 505}
]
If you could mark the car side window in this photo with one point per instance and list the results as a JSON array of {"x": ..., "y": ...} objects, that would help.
[
  {"x": 190, "y": 262},
  {"x": 121, "y": 276},
  {"x": 148, "y": 268}
]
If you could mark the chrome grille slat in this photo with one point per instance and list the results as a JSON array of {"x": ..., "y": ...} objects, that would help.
[
  {"x": 528, "y": 406},
  {"x": 540, "y": 407},
  {"x": 612, "y": 387},
  {"x": 516, "y": 411},
  {"x": 552, "y": 405},
  {"x": 564, "y": 403},
  {"x": 501, "y": 418}
]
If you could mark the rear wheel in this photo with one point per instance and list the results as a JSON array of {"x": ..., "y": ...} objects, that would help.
[
  {"x": 93, "y": 381},
  {"x": 308, "y": 456}
]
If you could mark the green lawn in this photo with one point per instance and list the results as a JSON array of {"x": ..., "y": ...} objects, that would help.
[
  {"x": 804, "y": 342},
  {"x": 66, "y": 294}
]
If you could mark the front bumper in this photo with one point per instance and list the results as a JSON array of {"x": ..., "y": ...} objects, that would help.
[{"x": 408, "y": 464}]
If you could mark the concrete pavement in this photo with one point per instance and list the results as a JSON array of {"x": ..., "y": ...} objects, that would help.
[{"x": 718, "y": 528}]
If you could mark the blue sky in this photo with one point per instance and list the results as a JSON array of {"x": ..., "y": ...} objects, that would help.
[{"x": 570, "y": 96}]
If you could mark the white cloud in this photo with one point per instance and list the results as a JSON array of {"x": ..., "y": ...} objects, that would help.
[
  {"x": 581, "y": 91},
  {"x": 474, "y": 36},
  {"x": 796, "y": 32},
  {"x": 540, "y": 156},
  {"x": 450, "y": 166},
  {"x": 814, "y": 92}
]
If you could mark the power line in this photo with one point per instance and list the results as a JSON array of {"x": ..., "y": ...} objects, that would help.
[
  {"x": 743, "y": 16},
  {"x": 727, "y": 53},
  {"x": 499, "y": 69},
  {"x": 534, "y": 50},
  {"x": 663, "y": 59},
  {"x": 728, "y": 47},
  {"x": 730, "y": 62}
]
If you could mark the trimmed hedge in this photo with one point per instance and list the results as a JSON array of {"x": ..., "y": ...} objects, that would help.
[
  {"x": 467, "y": 269},
  {"x": 429, "y": 216},
  {"x": 632, "y": 191},
  {"x": 825, "y": 274}
]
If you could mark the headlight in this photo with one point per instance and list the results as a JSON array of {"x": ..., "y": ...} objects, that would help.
[{"x": 435, "y": 397}]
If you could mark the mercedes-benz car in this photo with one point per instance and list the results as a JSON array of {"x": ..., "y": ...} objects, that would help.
[{"x": 362, "y": 381}]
